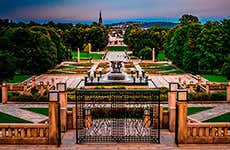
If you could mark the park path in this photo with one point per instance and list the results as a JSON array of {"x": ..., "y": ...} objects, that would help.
[
  {"x": 212, "y": 113},
  {"x": 93, "y": 68},
  {"x": 14, "y": 110}
]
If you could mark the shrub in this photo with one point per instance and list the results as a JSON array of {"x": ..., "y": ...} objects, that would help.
[
  {"x": 29, "y": 98},
  {"x": 145, "y": 53}
]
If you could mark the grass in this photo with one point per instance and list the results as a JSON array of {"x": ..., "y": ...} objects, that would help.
[
  {"x": 215, "y": 78},
  {"x": 19, "y": 78},
  {"x": 161, "y": 56},
  {"x": 43, "y": 111},
  {"x": 194, "y": 110},
  {"x": 222, "y": 118},
  {"x": 5, "y": 118},
  {"x": 174, "y": 72},
  {"x": 117, "y": 48},
  {"x": 67, "y": 67},
  {"x": 84, "y": 55}
]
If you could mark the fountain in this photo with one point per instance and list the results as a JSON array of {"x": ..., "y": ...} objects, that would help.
[{"x": 116, "y": 73}]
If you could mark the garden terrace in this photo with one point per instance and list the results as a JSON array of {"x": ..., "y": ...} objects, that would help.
[
  {"x": 72, "y": 68},
  {"x": 87, "y": 56},
  {"x": 104, "y": 66},
  {"x": 160, "y": 68}
]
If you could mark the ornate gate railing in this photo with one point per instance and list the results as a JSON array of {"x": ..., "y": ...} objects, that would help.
[{"x": 118, "y": 116}]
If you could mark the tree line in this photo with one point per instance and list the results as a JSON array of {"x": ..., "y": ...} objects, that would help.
[
  {"x": 194, "y": 47},
  {"x": 142, "y": 41},
  {"x": 200, "y": 48},
  {"x": 34, "y": 48}
]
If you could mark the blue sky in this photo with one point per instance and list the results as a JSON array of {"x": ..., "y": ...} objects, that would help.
[{"x": 88, "y": 10}]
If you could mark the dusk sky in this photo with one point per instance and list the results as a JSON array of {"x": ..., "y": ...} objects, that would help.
[{"x": 88, "y": 10}]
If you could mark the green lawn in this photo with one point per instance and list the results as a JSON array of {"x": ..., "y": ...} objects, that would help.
[
  {"x": 194, "y": 110},
  {"x": 43, "y": 111},
  {"x": 67, "y": 67},
  {"x": 161, "y": 56},
  {"x": 222, "y": 118},
  {"x": 174, "y": 72},
  {"x": 5, "y": 118},
  {"x": 19, "y": 78},
  {"x": 84, "y": 55},
  {"x": 215, "y": 78},
  {"x": 116, "y": 48}
]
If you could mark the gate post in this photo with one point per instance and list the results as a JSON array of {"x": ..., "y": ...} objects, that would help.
[
  {"x": 172, "y": 105},
  {"x": 54, "y": 121},
  {"x": 4, "y": 93},
  {"x": 182, "y": 107},
  {"x": 61, "y": 87},
  {"x": 228, "y": 92}
]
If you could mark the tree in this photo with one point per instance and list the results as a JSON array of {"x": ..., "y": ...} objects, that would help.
[
  {"x": 7, "y": 65},
  {"x": 187, "y": 19},
  {"x": 97, "y": 36},
  {"x": 210, "y": 44},
  {"x": 145, "y": 53}
]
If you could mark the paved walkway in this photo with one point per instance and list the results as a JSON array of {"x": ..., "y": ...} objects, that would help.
[
  {"x": 138, "y": 67},
  {"x": 93, "y": 68},
  {"x": 17, "y": 111},
  {"x": 167, "y": 143},
  {"x": 218, "y": 110}
]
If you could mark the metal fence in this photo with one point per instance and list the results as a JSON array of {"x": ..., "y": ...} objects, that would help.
[{"x": 118, "y": 115}]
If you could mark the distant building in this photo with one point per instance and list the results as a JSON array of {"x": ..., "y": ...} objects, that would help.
[
  {"x": 100, "y": 19},
  {"x": 116, "y": 39}
]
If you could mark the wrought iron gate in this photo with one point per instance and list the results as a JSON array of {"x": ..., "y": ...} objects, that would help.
[{"x": 118, "y": 116}]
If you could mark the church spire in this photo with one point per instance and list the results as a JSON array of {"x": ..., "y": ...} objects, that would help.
[{"x": 100, "y": 18}]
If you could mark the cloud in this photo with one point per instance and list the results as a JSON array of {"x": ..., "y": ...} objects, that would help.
[{"x": 89, "y": 9}]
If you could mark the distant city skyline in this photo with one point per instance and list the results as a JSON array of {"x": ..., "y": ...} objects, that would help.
[{"x": 86, "y": 11}]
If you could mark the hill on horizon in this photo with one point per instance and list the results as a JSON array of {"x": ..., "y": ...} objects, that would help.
[{"x": 144, "y": 24}]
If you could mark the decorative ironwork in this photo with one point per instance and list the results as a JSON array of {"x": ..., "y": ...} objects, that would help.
[{"x": 118, "y": 115}]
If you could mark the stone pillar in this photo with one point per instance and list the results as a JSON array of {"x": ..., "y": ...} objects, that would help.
[
  {"x": 47, "y": 85},
  {"x": 153, "y": 55},
  {"x": 172, "y": 95},
  {"x": 208, "y": 87},
  {"x": 33, "y": 82},
  {"x": 74, "y": 117},
  {"x": 53, "y": 83},
  {"x": 78, "y": 55},
  {"x": 184, "y": 84},
  {"x": 182, "y": 107},
  {"x": 54, "y": 134},
  {"x": 4, "y": 93},
  {"x": 63, "y": 105},
  {"x": 41, "y": 90},
  {"x": 25, "y": 88},
  {"x": 191, "y": 87},
  {"x": 228, "y": 92},
  {"x": 61, "y": 87}
]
